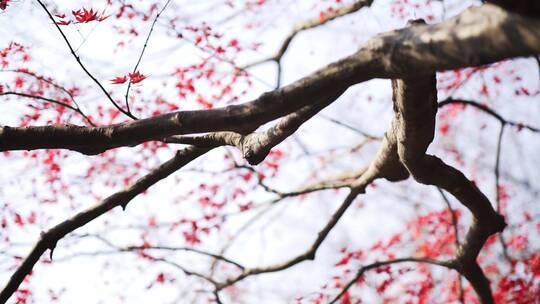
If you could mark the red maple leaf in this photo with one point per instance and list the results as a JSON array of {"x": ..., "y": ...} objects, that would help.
[
  {"x": 84, "y": 15},
  {"x": 119, "y": 80},
  {"x": 19, "y": 220},
  {"x": 136, "y": 77},
  {"x": 63, "y": 22}
]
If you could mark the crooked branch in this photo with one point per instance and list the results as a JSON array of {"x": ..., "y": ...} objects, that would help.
[
  {"x": 310, "y": 24},
  {"x": 49, "y": 239},
  {"x": 376, "y": 265},
  {"x": 448, "y": 45}
]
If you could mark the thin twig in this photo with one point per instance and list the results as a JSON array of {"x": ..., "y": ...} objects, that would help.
[
  {"x": 142, "y": 51},
  {"x": 310, "y": 24},
  {"x": 383, "y": 263},
  {"x": 489, "y": 111},
  {"x": 498, "y": 189},
  {"x": 54, "y": 101},
  {"x": 312, "y": 250},
  {"x": 455, "y": 224},
  {"x": 78, "y": 59}
]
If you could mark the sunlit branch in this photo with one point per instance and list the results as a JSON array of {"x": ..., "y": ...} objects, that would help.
[
  {"x": 413, "y": 127},
  {"x": 256, "y": 146},
  {"x": 423, "y": 48}
]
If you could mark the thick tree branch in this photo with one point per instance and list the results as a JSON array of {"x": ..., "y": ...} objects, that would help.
[
  {"x": 256, "y": 146},
  {"x": 478, "y": 36},
  {"x": 406, "y": 142},
  {"x": 415, "y": 107},
  {"x": 49, "y": 239}
]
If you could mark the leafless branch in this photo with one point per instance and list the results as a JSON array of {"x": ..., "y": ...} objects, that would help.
[
  {"x": 489, "y": 111},
  {"x": 50, "y": 100},
  {"x": 455, "y": 225},
  {"x": 375, "y": 265},
  {"x": 49, "y": 239},
  {"x": 498, "y": 188},
  {"x": 310, "y": 24},
  {"x": 144, "y": 49}
]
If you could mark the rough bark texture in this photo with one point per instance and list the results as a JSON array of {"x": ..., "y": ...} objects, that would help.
[{"x": 479, "y": 35}]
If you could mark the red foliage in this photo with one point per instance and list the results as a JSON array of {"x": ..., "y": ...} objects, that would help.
[{"x": 119, "y": 80}]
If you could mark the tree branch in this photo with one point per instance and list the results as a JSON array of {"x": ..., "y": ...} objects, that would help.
[
  {"x": 497, "y": 173},
  {"x": 489, "y": 111},
  {"x": 310, "y": 24},
  {"x": 144, "y": 49},
  {"x": 75, "y": 108},
  {"x": 415, "y": 107},
  {"x": 375, "y": 265},
  {"x": 448, "y": 45},
  {"x": 49, "y": 239},
  {"x": 307, "y": 255},
  {"x": 256, "y": 146}
]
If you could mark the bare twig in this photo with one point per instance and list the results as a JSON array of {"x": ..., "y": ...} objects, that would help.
[
  {"x": 310, "y": 24},
  {"x": 455, "y": 225},
  {"x": 307, "y": 255},
  {"x": 498, "y": 188},
  {"x": 53, "y": 101},
  {"x": 375, "y": 265},
  {"x": 144, "y": 49},
  {"x": 489, "y": 111}
]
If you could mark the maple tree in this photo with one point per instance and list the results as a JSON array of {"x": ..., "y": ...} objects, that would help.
[{"x": 245, "y": 177}]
